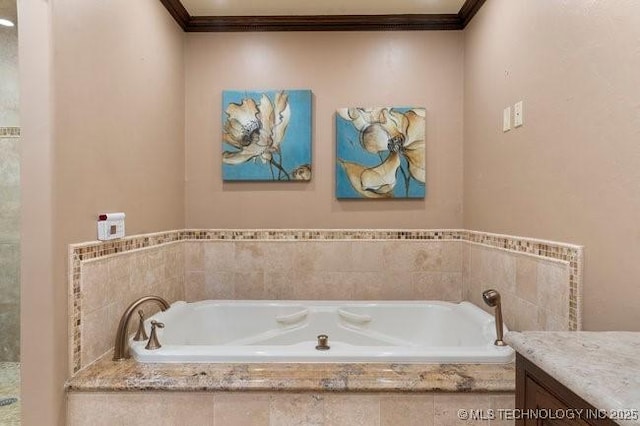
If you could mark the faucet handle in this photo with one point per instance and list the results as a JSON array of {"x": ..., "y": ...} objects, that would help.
[
  {"x": 153, "y": 342},
  {"x": 141, "y": 334}
]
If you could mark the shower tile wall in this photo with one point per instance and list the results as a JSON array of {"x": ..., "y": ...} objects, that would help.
[
  {"x": 9, "y": 87},
  {"x": 9, "y": 249},
  {"x": 9, "y": 189}
]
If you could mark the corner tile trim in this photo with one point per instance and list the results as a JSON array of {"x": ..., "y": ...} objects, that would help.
[{"x": 79, "y": 253}]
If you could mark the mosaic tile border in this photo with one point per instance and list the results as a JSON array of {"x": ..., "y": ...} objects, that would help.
[
  {"x": 322, "y": 234},
  {"x": 9, "y": 132},
  {"x": 82, "y": 252}
]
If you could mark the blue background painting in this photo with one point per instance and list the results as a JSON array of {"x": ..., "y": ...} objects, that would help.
[
  {"x": 348, "y": 148},
  {"x": 295, "y": 146}
]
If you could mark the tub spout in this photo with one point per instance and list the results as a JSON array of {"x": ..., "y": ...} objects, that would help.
[
  {"x": 492, "y": 298},
  {"x": 120, "y": 351}
]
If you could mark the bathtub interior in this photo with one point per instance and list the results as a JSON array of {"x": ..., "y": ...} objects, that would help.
[
  {"x": 250, "y": 323},
  {"x": 260, "y": 330}
]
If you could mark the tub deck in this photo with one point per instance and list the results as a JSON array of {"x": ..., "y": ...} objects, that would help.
[{"x": 129, "y": 375}]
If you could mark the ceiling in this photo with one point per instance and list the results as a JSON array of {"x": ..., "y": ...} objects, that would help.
[
  {"x": 315, "y": 7},
  {"x": 324, "y": 15}
]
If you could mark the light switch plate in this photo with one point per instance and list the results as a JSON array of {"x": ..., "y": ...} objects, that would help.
[
  {"x": 517, "y": 114},
  {"x": 506, "y": 119}
]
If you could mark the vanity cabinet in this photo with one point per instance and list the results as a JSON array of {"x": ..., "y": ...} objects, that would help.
[{"x": 538, "y": 392}]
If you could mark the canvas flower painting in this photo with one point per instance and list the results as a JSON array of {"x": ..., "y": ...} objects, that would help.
[
  {"x": 266, "y": 135},
  {"x": 380, "y": 153}
]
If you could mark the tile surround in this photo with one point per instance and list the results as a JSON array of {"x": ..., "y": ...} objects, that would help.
[
  {"x": 278, "y": 408},
  {"x": 569, "y": 254},
  {"x": 108, "y": 392},
  {"x": 540, "y": 288},
  {"x": 214, "y": 264},
  {"x": 106, "y": 285}
]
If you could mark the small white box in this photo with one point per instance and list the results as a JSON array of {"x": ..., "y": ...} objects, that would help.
[{"x": 110, "y": 226}]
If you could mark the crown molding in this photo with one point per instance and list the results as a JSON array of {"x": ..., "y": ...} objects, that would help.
[
  {"x": 404, "y": 22},
  {"x": 469, "y": 10}
]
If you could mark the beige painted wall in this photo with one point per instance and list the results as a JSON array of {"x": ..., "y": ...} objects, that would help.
[
  {"x": 342, "y": 69},
  {"x": 41, "y": 377},
  {"x": 572, "y": 172},
  {"x": 102, "y": 105}
]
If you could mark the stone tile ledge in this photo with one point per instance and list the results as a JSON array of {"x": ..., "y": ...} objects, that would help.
[
  {"x": 600, "y": 367},
  {"x": 129, "y": 375}
]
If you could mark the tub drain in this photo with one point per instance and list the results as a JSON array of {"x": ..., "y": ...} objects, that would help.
[
  {"x": 7, "y": 401},
  {"x": 323, "y": 343}
]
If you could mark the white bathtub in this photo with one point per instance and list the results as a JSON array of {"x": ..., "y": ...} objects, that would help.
[{"x": 286, "y": 331}]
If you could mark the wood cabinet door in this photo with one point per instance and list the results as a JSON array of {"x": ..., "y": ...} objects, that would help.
[
  {"x": 537, "y": 391},
  {"x": 541, "y": 400}
]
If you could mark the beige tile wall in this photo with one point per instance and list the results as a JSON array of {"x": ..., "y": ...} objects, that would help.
[
  {"x": 280, "y": 408},
  {"x": 109, "y": 284},
  {"x": 328, "y": 270},
  {"x": 539, "y": 280},
  {"x": 534, "y": 290}
]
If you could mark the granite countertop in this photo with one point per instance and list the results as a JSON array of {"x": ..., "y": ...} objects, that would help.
[
  {"x": 129, "y": 375},
  {"x": 601, "y": 367}
]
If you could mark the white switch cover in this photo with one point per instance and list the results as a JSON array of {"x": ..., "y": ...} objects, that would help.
[
  {"x": 517, "y": 114},
  {"x": 506, "y": 119}
]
